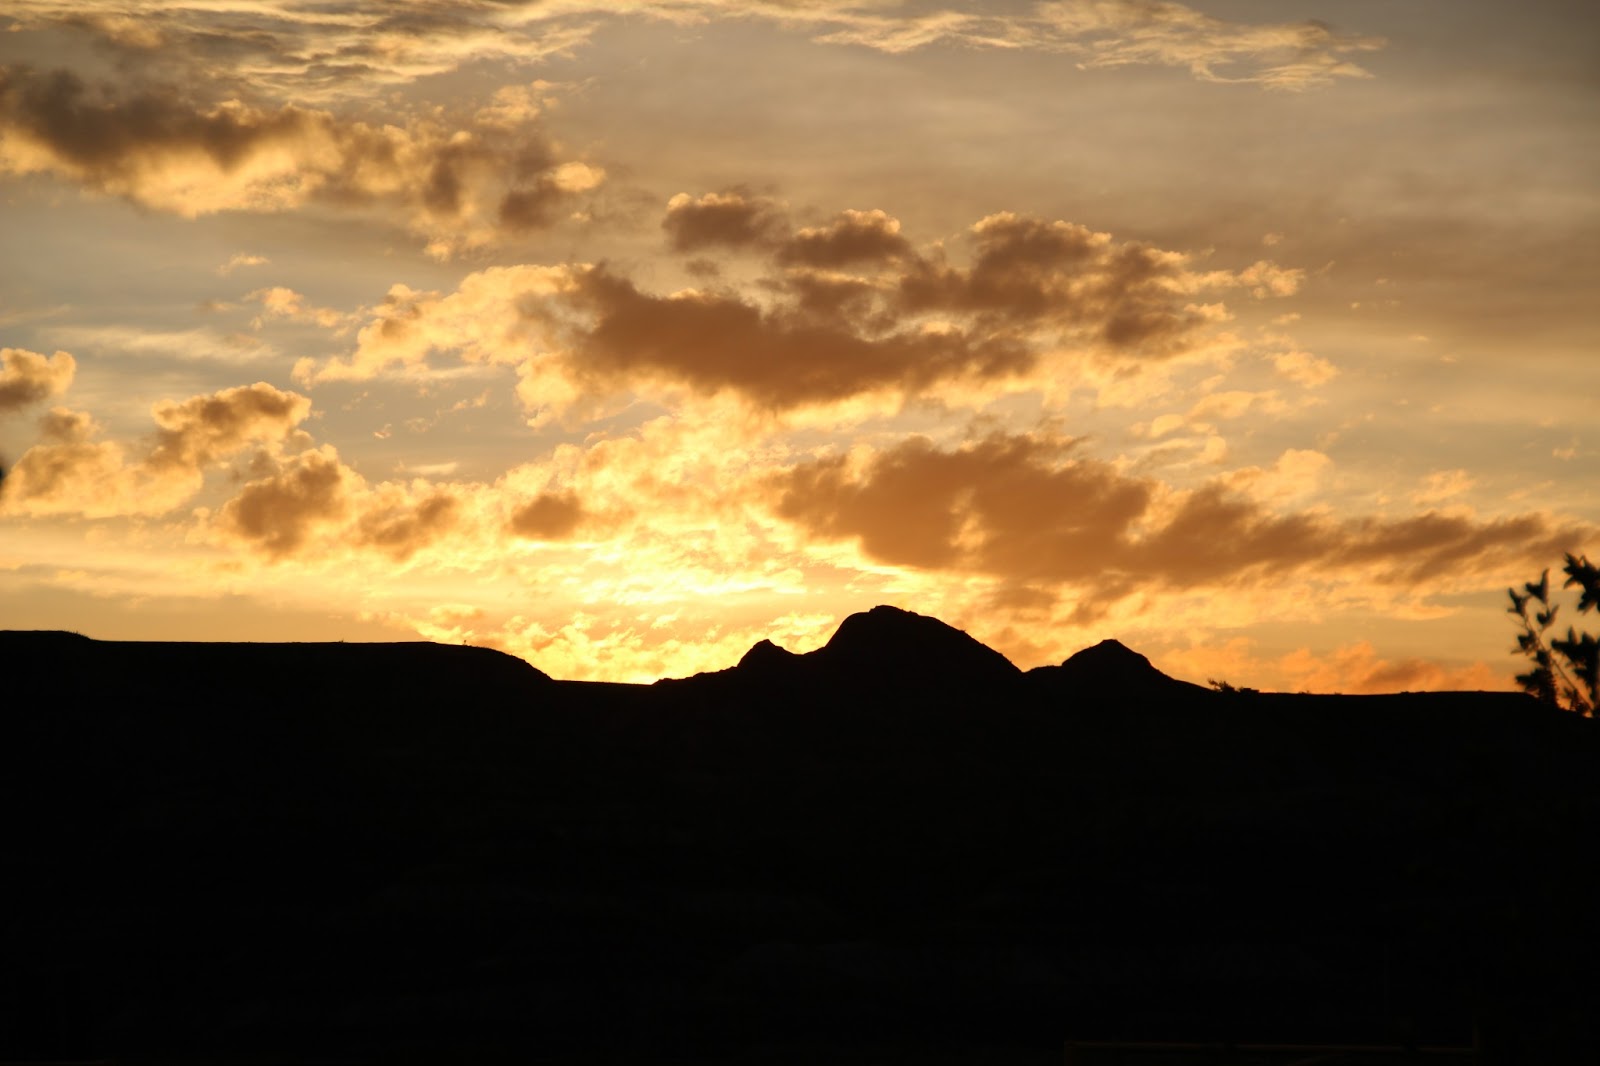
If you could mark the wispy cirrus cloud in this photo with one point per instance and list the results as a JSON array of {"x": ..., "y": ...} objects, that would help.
[
  {"x": 303, "y": 49},
  {"x": 241, "y": 259},
  {"x": 314, "y": 52},
  {"x": 197, "y": 345}
]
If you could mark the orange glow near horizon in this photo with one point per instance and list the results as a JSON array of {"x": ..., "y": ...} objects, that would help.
[{"x": 620, "y": 338}]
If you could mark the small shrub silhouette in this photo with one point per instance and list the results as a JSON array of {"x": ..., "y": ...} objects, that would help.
[{"x": 1566, "y": 670}]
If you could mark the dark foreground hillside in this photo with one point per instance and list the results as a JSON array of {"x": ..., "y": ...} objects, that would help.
[{"x": 897, "y": 846}]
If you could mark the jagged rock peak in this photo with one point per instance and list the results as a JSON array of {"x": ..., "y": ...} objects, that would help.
[{"x": 900, "y": 641}]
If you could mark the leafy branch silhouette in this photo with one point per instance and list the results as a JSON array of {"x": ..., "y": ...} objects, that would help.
[{"x": 1566, "y": 669}]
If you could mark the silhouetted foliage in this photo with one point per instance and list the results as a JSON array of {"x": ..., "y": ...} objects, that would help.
[
  {"x": 1566, "y": 670},
  {"x": 1230, "y": 690}
]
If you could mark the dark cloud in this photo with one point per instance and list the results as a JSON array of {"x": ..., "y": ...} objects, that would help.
[
  {"x": 313, "y": 505},
  {"x": 159, "y": 147},
  {"x": 1028, "y": 279},
  {"x": 843, "y": 310},
  {"x": 1025, "y": 509},
  {"x": 106, "y": 139},
  {"x": 548, "y": 516},
  {"x": 1008, "y": 504},
  {"x": 734, "y": 218},
  {"x": 399, "y": 527},
  {"x": 64, "y": 426},
  {"x": 532, "y": 208},
  {"x": 1030, "y": 272},
  {"x": 854, "y": 238},
  {"x": 827, "y": 297},
  {"x": 739, "y": 219},
  {"x": 278, "y": 514},
  {"x": 27, "y": 378},
  {"x": 197, "y": 431},
  {"x": 1429, "y": 546},
  {"x": 1216, "y": 535},
  {"x": 777, "y": 357}
]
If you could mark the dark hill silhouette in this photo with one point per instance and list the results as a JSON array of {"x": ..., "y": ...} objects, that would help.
[
  {"x": 896, "y": 645},
  {"x": 884, "y": 648},
  {"x": 897, "y": 843},
  {"x": 1108, "y": 669},
  {"x": 765, "y": 657}
]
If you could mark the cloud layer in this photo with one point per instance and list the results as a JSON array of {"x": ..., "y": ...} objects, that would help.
[
  {"x": 459, "y": 186},
  {"x": 1026, "y": 509},
  {"x": 844, "y": 309},
  {"x": 70, "y": 472},
  {"x": 317, "y": 49}
]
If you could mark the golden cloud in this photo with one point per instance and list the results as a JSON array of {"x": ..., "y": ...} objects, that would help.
[
  {"x": 27, "y": 378},
  {"x": 317, "y": 52},
  {"x": 1287, "y": 55},
  {"x": 197, "y": 432},
  {"x": 278, "y": 514},
  {"x": 314, "y": 504},
  {"x": 160, "y": 149},
  {"x": 1025, "y": 509},
  {"x": 488, "y": 319},
  {"x": 813, "y": 331},
  {"x": 68, "y": 472},
  {"x": 277, "y": 301}
]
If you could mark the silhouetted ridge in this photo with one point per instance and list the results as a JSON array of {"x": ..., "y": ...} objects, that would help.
[
  {"x": 1110, "y": 659},
  {"x": 1108, "y": 667},
  {"x": 25, "y": 639},
  {"x": 898, "y": 645},
  {"x": 428, "y": 853},
  {"x": 766, "y": 657}
]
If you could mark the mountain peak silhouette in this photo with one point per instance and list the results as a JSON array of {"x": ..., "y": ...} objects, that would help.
[
  {"x": 766, "y": 657},
  {"x": 905, "y": 646},
  {"x": 1110, "y": 656},
  {"x": 1106, "y": 667}
]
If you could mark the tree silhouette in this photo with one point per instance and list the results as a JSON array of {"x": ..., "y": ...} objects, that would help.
[{"x": 1566, "y": 670}]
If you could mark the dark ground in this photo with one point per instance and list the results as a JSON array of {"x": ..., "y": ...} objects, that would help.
[{"x": 896, "y": 848}]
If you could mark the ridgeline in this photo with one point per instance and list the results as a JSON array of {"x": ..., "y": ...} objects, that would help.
[{"x": 898, "y": 845}]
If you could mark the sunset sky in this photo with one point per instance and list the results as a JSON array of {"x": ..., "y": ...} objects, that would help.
[{"x": 1261, "y": 336}]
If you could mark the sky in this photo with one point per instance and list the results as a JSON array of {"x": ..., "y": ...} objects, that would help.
[{"x": 1259, "y": 336}]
